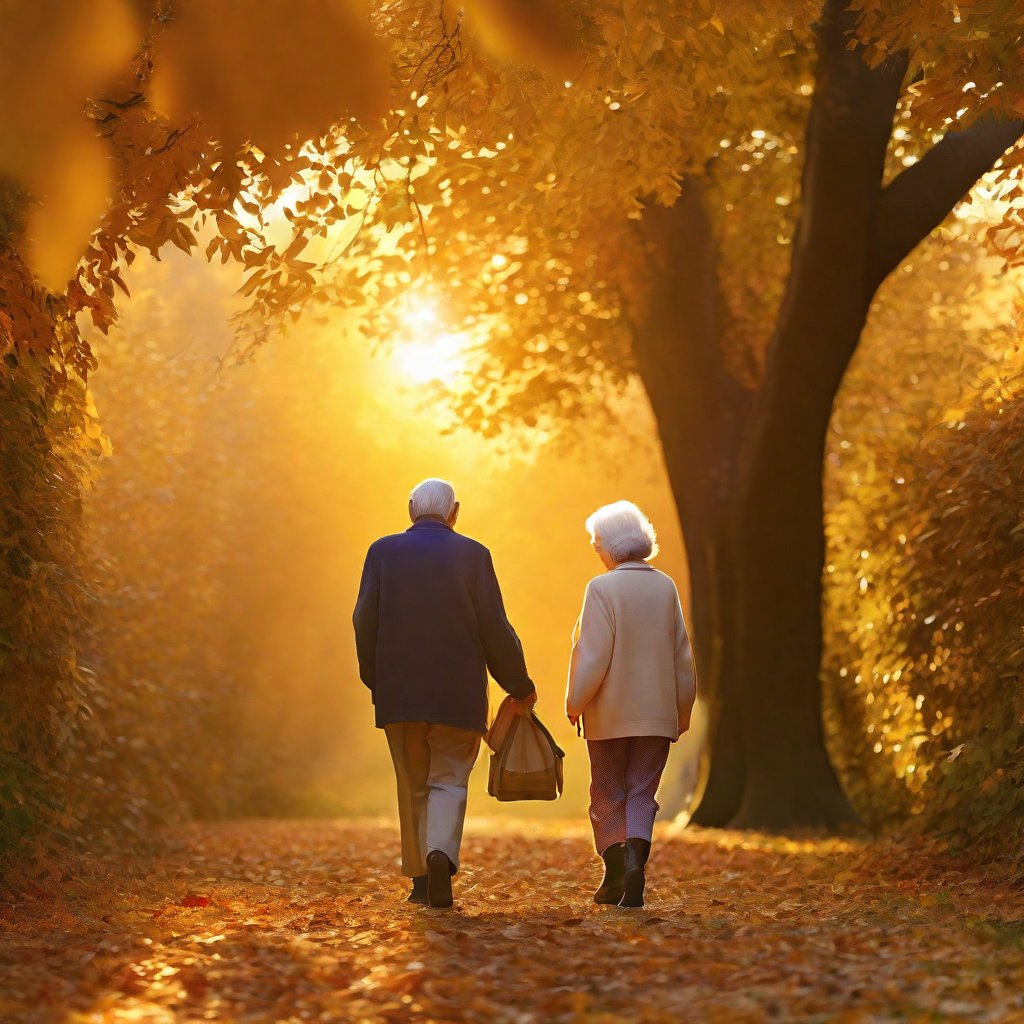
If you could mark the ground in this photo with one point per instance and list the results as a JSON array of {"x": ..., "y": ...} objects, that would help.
[{"x": 292, "y": 921}]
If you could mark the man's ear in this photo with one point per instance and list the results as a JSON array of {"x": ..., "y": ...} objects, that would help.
[
  {"x": 411, "y": 516},
  {"x": 454, "y": 514}
]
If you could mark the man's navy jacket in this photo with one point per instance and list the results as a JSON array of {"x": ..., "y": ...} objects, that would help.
[{"x": 429, "y": 624}]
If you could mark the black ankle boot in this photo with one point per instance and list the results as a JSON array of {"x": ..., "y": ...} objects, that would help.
[
  {"x": 439, "y": 879},
  {"x": 637, "y": 852},
  {"x": 610, "y": 890},
  {"x": 419, "y": 890}
]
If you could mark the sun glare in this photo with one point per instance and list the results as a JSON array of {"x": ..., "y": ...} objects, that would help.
[{"x": 428, "y": 352}]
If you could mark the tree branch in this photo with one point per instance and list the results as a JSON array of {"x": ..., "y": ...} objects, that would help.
[
  {"x": 919, "y": 199},
  {"x": 848, "y": 131}
]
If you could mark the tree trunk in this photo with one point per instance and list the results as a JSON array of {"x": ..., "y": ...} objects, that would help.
[
  {"x": 700, "y": 409},
  {"x": 780, "y": 522}
]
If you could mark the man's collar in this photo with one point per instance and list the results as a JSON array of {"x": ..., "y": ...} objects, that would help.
[{"x": 431, "y": 522}]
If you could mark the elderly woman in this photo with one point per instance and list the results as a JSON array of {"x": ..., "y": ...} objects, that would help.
[{"x": 631, "y": 680}]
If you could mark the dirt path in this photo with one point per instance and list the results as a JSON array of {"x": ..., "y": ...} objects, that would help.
[{"x": 300, "y": 921}]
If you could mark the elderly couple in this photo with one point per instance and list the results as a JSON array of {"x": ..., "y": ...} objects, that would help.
[{"x": 430, "y": 624}]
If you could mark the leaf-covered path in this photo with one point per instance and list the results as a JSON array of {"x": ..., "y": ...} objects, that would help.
[{"x": 306, "y": 921}]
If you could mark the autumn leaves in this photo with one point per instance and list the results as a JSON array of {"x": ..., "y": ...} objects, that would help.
[
  {"x": 57, "y": 56},
  {"x": 268, "y": 921},
  {"x": 267, "y": 76}
]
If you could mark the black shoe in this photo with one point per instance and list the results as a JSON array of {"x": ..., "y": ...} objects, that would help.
[
  {"x": 439, "y": 879},
  {"x": 610, "y": 890},
  {"x": 637, "y": 852},
  {"x": 419, "y": 890}
]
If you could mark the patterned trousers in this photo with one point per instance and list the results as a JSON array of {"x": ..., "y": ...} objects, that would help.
[{"x": 624, "y": 777}]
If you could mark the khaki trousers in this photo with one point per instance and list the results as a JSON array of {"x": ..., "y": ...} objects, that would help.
[{"x": 432, "y": 766}]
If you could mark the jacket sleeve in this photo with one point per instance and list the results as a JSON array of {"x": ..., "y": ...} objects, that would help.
[
  {"x": 365, "y": 618},
  {"x": 686, "y": 680},
  {"x": 502, "y": 649},
  {"x": 593, "y": 640}
]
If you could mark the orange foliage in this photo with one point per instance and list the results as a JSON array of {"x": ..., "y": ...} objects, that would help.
[
  {"x": 270, "y": 72},
  {"x": 56, "y": 56},
  {"x": 289, "y": 920},
  {"x": 537, "y": 31}
]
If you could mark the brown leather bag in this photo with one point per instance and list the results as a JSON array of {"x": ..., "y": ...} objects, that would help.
[{"x": 526, "y": 763}]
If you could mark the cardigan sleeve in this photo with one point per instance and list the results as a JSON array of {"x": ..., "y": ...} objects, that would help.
[
  {"x": 593, "y": 641},
  {"x": 686, "y": 681}
]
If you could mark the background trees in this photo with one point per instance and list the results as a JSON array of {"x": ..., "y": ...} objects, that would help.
[
  {"x": 225, "y": 533},
  {"x": 81, "y": 134},
  {"x": 920, "y": 668}
]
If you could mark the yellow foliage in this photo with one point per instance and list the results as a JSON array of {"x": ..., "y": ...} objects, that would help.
[
  {"x": 267, "y": 72},
  {"x": 922, "y": 583},
  {"x": 541, "y": 31},
  {"x": 55, "y": 55},
  {"x": 48, "y": 447},
  {"x": 508, "y": 195}
]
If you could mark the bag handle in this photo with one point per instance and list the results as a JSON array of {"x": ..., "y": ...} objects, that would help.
[{"x": 544, "y": 729}]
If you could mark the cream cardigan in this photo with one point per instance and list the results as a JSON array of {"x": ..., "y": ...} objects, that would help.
[{"x": 631, "y": 671}]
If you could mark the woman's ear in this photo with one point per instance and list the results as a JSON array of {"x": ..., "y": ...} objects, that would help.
[{"x": 606, "y": 559}]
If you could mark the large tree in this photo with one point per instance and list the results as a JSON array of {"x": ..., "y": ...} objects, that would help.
[{"x": 708, "y": 196}]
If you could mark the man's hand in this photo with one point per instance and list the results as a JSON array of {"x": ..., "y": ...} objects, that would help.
[{"x": 526, "y": 705}]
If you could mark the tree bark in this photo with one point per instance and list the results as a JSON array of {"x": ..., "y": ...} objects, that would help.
[
  {"x": 700, "y": 409},
  {"x": 780, "y": 531}
]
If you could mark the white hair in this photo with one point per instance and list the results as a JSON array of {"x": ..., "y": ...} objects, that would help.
[
  {"x": 432, "y": 497},
  {"x": 623, "y": 531}
]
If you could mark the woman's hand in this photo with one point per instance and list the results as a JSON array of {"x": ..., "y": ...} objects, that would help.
[{"x": 573, "y": 719}]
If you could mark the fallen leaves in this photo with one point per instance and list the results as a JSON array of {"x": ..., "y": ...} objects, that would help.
[{"x": 308, "y": 920}]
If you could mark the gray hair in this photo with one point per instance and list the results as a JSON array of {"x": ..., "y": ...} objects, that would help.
[
  {"x": 623, "y": 531},
  {"x": 432, "y": 497}
]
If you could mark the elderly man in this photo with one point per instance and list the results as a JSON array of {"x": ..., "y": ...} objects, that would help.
[{"x": 429, "y": 624}]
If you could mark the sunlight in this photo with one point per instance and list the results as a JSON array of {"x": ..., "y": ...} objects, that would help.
[
  {"x": 440, "y": 359},
  {"x": 429, "y": 352}
]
